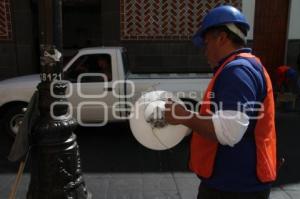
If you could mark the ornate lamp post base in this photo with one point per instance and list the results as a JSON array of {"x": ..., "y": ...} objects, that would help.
[{"x": 55, "y": 162}]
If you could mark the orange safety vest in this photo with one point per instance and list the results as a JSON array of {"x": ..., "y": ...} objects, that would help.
[{"x": 203, "y": 151}]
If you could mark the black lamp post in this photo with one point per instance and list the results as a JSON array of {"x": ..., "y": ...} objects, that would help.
[{"x": 55, "y": 162}]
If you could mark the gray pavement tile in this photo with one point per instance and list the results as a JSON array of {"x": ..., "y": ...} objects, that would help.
[
  {"x": 97, "y": 185},
  {"x": 125, "y": 195},
  {"x": 157, "y": 175},
  {"x": 126, "y": 175},
  {"x": 153, "y": 182},
  {"x": 184, "y": 175},
  {"x": 97, "y": 175},
  {"x": 293, "y": 194},
  {"x": 125, "y": 188},
  {"x": 293, "y": 190},
  {"x": 161, "y": 195},
  {"x": 278, "y": 193},
  {"x": 121, "y": 184},
  {"x": 187, "y": 185},
  {"x": 293, "y": 187},
  {"x": 188, "y": 194},
  {"x": 23, "y": 187},
  {"x": 140, "y": 186},
  {"x": 7, "y": 181}
]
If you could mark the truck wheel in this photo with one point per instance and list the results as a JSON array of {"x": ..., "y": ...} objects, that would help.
[{"x": 12, "y": 119}]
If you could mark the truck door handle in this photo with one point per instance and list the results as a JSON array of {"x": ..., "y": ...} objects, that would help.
[{"x": 108, "y": 88}]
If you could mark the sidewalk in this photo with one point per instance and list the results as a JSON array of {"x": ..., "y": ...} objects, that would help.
[
  {"x": 137, "y": 173},
  {"x": 140, "y": 186}
]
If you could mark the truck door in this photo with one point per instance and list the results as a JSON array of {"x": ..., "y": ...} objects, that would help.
[{"x": 92, "y": 95}]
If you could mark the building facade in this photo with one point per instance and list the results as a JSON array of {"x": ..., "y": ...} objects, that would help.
[
  {"x": 156, "y": 33},
  {"x": 18, "y": 49}
]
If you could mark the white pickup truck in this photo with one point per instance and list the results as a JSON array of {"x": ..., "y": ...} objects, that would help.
[{"x": 96, "y": 100}]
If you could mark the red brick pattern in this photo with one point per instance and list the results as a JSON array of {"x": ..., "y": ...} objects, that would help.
[
  {"x": 5, "y": 21},
  {"x": 164, "y": 19}
]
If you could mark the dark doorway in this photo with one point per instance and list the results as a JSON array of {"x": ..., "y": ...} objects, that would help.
[
  {"x": 270, "y": 33},
  {"x": 81, "y": 26},
  {"x": 81, "y": 23}
]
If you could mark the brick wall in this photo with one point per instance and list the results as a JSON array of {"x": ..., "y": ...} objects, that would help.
[
  {"x": 5, "y": 21},
  {"x": 164, "y": 19},
  {"x": 157, "y": 32}
]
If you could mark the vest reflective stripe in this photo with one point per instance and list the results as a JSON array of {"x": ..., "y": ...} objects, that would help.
[{"x": 203, "y": 151}]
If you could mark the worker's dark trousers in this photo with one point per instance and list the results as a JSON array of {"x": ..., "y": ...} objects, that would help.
[{"x": 209, "y": 193}]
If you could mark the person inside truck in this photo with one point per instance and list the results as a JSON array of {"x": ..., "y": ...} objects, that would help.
[
  {"x": 89, "y": 64},
  {"x": 104, "y": 66},
  {"x": 233, "y": 146}
]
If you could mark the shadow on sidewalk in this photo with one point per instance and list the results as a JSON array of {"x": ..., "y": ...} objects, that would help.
[
  {"x": 288, "y": 142},
  {"x": 113, "y": 149}
]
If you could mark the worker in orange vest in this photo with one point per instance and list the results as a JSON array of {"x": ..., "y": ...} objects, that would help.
[{"x": 233, "y": 144}]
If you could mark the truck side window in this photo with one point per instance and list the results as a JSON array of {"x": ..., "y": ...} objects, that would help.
[
  {"x": 103, "y": 65},
  {"x": 77, "y": 68},
  {"x": 93, "y": 63}
]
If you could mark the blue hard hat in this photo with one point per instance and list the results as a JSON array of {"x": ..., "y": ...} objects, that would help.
[{"x": 218, "y": 16}]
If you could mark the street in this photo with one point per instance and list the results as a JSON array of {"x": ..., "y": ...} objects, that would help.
[{"x": 115, "y": 165}]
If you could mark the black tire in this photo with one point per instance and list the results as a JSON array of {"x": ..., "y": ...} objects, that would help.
[
  {"x": 11, "y": 119},
  {"x": 7, "y": 136}
]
